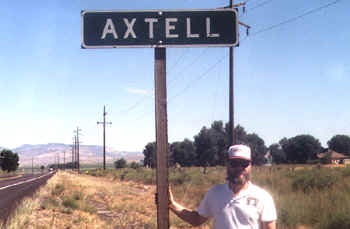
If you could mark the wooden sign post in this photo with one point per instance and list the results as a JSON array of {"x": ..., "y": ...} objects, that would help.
[{"x": 161, "y": 137}]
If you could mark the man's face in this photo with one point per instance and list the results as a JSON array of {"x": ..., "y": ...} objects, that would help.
[{"x": 238, "y": 171}]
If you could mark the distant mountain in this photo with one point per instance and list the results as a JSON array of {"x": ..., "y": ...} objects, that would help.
[{"x": 44, "y": 154}]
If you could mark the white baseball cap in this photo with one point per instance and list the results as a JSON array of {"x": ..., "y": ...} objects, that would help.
[{"x": 239, "y": 151}]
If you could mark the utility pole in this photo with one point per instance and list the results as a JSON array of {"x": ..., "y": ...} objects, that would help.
[
  {"x": 231, "y": 106},
  {"x": 232, "y": 135},
  {"x": 64, "y": 160},
  {"x": 55, "y": 163},
  {"x": 77, "y": 148},
  {"x": 104, "y": 135},
  {"x": 73, "y": 154},
  {"x": 32, "y": 165},
  {"x": 78, "y": 156},
  {"x": 76, "y": 152}
]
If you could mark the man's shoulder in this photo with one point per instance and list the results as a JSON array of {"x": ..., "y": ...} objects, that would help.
[
  {"x": 218, "y": 192},
  {"x": 218, "y": 189},
  {"x": 256, "y": 190}
]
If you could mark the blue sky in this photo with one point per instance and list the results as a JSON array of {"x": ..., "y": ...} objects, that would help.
[{"x": 289, "y": 80}]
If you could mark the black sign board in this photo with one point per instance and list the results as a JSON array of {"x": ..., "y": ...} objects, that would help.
[{"x": 159, "y": 28}]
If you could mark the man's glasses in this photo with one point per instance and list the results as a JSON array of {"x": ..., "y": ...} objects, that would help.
[{"x": 238, "y": 163}]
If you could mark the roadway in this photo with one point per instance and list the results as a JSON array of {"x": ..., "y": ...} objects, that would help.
[{"x": 13, "y": 190}]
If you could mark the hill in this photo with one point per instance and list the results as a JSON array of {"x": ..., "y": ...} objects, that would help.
[{"x": 44, "y": 154}]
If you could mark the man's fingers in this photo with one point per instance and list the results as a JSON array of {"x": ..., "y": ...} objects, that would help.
[{"x": 156, "y": 198}]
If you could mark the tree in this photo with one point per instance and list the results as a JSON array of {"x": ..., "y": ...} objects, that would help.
[
  {"x": 301, "y": 148},
  {"x": 211, "y": 145},
  {"x": 258, "y": 148},
  {"x": 183, "y": 153},
  {"x": 241, "y": 135},
  {"x": 121, "y": 163},
  {"x": 149, "y": 152},
  {"x": 204, "y": 148},
  {"x": 277, "y": 153},
  {"x": 340, "y": 144},
  {"x": 239, "y": 132},
  {"x": 256, "y": 144},
  {"x": 219, "y": 138},
  {"x": 8, "y": 160},
  {"x": 135, "y": 165}
]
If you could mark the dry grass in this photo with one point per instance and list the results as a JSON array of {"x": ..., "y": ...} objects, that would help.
[
  {"x": 305, "y": 198},
  {"x": 72, "y": 201}
]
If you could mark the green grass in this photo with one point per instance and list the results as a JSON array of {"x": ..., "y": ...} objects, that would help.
[{"x": 316, "y": 197}]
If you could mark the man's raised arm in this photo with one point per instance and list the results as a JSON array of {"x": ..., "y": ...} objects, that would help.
[{"x": 190, "y": 216}]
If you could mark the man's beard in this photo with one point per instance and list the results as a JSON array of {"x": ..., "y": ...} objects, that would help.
[{"x": 238, "y": 180}]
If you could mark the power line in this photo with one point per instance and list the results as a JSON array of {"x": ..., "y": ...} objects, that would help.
[
  {"x": 216, "y": 92},
  {"x": 253, "y": 34},
  {"x": 189, "y": 65},
  {"x": 184, "y": 52},
  {"x": 189, "y": 85},
  {"x": 296, "y": 18},
  {"x": 260, "y": 4},
  {"x": 137, "y": 103}
]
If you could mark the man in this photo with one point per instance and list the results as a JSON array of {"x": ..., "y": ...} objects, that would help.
[{"x": 236, "y": 204}]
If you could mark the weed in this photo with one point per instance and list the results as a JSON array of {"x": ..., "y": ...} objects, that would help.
[
  {"x": 78, "y": 195},
  {"x": 66, "y": 211},
  {"x": 307, "y": 181},
  {"x": 58, "y": 189},
  {"x": 339, "y": 220},
  {"x": 70, "y": 203},
  {"x": 46, "y": 203}
]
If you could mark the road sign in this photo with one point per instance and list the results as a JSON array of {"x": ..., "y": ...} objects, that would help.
[{"x": 159, "y": 28}]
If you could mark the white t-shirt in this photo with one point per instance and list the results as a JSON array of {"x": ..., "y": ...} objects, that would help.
[{"x": 246, "y": 210}]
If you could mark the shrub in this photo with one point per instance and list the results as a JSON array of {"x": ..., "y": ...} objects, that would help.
[
  {"x": 314, "y": 179},
  {"x": 179, "y": 178},
  {"x": 134, "y": 165},
  {"x": 339, "y": 221},
  {"x": 98, "y": 172},
  {"x": 58, "y": 190},
  {"x": 121, "y": 163},
  {"x": 141, "y": 174},
  {"x": 78, "y": 195},
  {"x": 70, "y": 203},
  {"x": 48, "y": 202},
  {"x": 123, "y": 175},
  {"x": 346, "y": 172}
]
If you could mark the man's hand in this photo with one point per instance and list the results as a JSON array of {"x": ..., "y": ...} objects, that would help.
[
  {"x": 269, "y": 225},
  {"x": 156, "y": 198},
  {"x": 170, "y": 194},
  {"x": 171, "y": 197},
  {"x": 188, "y": 215}
]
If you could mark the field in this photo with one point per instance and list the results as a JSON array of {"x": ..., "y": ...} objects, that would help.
[{"x": 305, "y": 197}]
